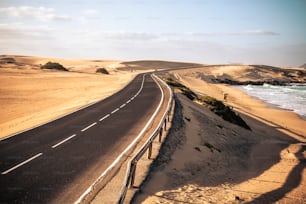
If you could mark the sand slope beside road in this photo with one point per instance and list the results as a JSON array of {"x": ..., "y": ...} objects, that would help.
[
  {"x": 258, "y": 166},
  {"x": 218, "y": 162}
]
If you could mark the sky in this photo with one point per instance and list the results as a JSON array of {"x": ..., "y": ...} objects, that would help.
[{"x": 271, "y": 32}]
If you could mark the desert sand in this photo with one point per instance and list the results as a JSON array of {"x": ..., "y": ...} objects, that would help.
[
  {"x": 204, "y": 158},
  {"x": 219, "y": 162},
  {"x": 30, "y": 96}
]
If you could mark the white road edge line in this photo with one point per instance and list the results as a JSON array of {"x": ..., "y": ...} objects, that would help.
[
  {"x": 65, "y": 140},
  {"x": 104, "y": 117},
  {"x": 89, "y": 126},
  {"x": 114, "y": 111},
  {"x": 122, "y": 105},
  {"x": 126, "y": 149},
  {"x": 22, "y": 163}
]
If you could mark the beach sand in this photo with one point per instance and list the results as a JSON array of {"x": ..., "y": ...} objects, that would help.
[
  {"x": 30, "y": 96},
  {"x": 219, "y": 162}
]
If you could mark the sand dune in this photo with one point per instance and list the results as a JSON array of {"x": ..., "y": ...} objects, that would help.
[
  {"x": 218, "y": 162},
  {"x": 247, "y": 74}
]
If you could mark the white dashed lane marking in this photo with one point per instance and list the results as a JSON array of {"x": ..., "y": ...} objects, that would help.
[
  {"x": 89, "y": 126},
  {"x": 122, "y": 105},
  {"x": 21, "y": 164},
  {"x": 114, "y": 111},
  {"x": 63, "y": 141},
  {"x": 103, "y": 118}
]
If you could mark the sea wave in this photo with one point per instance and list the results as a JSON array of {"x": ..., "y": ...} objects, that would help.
[{"x": 291, "y": 97}]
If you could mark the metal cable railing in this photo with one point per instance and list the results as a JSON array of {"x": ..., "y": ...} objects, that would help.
[{"x": 131, "y": 166}]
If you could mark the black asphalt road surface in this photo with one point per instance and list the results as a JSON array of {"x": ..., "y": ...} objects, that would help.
[{"x": 57, "y": 162}]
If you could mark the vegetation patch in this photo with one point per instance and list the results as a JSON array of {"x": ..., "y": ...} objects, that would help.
[
  {"x": 54, "y": 65},
  {"x": 184, "y": 89},
  {"x": 102, "y": 70},
  {"x": 224, "y": 111},
  {"x": 216, "y": 106},
  {"x": 8, "y": 60}
]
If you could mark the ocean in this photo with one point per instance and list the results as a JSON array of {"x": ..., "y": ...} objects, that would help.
[{"x": 291, "y": 97}]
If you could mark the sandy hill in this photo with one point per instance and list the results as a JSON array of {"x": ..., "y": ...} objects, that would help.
[
  {"x": 247, "y": 74},
  {"x": 75, "y": 65}
]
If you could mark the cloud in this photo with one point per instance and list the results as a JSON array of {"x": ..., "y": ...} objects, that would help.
[
  {"x": 168, "y": 36},
  {"x": 240, "y": 33},
  {"x": 40, "y": 13},
  {"x": 90, "y": 12},
  {"x": 257, "y": 32},
  {"x": 20, "y": 31}
]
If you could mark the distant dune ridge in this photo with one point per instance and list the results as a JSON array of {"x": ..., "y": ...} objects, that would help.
[
  {"x": 303, "y": 66},
  {"x": 252, "y": 74}
]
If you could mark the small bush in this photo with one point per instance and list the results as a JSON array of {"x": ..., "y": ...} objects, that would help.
[
  {"x": 54, "y": 65},
  {"x": 102, "y": 70}
]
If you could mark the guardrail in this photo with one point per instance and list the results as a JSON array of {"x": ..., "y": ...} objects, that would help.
[{"x": 131, "y": 166}]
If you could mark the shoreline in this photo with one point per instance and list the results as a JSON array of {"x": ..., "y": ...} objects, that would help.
[{"x": 269, "y": 105}]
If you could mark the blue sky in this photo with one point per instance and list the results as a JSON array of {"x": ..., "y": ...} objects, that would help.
[{"x": 207, "y": 31}]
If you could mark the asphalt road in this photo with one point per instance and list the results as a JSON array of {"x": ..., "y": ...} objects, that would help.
[{"x": 56, "y": 162}]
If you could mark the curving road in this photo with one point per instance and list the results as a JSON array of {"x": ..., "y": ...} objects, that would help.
[{"x": 56, "y": 162}]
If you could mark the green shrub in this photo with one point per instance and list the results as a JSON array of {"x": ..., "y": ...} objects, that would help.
[
  {"x": 54, "y": 65},
  {"x": 102, "y": 70}
]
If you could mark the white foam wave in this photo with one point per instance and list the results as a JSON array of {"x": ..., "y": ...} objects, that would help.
[{"x": 287, "y": 97}]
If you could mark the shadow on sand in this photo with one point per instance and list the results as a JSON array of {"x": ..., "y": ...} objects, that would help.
[{"x": 293, "y": 180}]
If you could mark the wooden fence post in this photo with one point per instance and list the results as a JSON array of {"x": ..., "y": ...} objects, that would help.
[
  {"x": 150, "y": 150},
  {"x": 160, "y": 135},
  {"x": 133, "y": 167}
]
